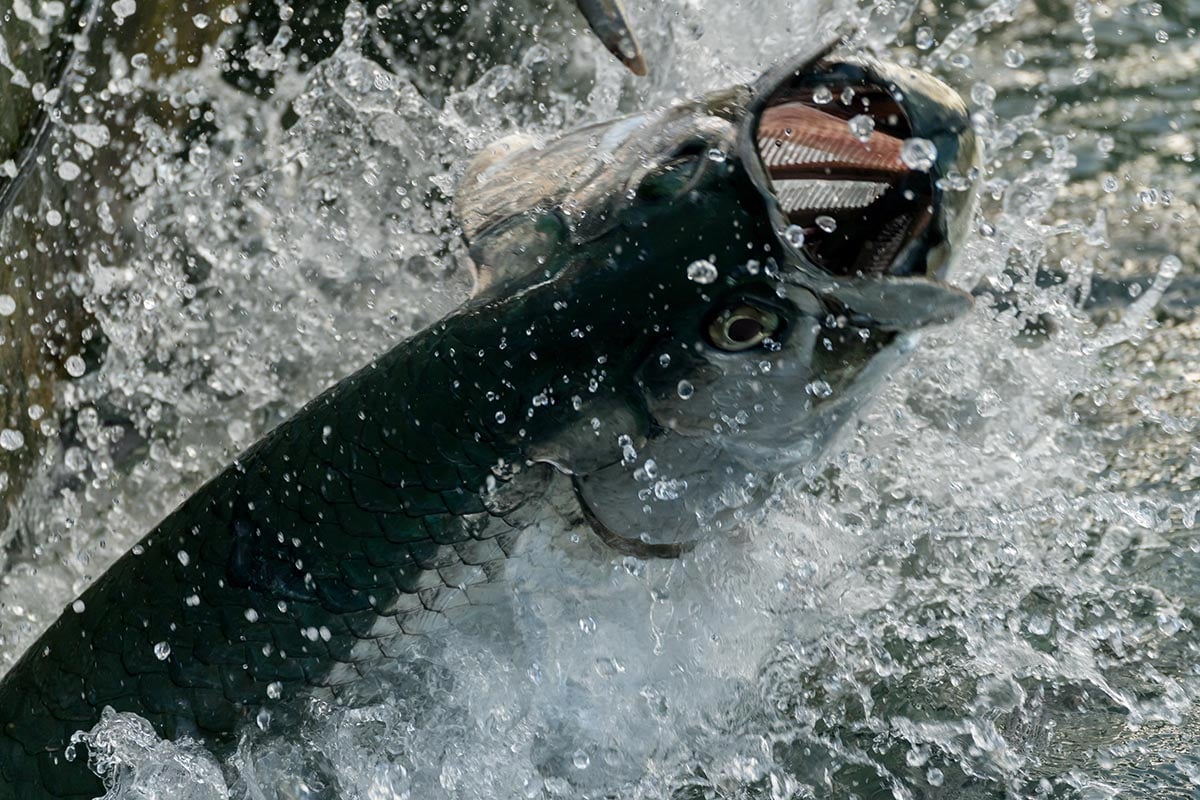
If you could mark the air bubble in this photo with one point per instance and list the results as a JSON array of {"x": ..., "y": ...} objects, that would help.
[
  {"x": 794, "y": 235},
  {"x": 826, "y": 223},
  {"x": 162, "y": 651},
  {"x": 75, "y": 366},
  {"x": 924, "y": 38},
  {"x": 822, "y": 95},
  {"x": 274, "y": 690},
  {"x": 7, "y": 305},
  {"x": 685, "y": 390}
]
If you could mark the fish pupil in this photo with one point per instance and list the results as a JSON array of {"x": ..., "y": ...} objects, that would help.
[{"x": 743, "y": 329}]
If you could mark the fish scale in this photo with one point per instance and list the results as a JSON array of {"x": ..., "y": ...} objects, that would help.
[{"x": 378, "y": 563}]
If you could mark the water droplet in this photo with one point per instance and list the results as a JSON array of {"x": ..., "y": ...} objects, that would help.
[
  {"x": 1111, "y": 184},
  {"x": 587, "y": 625},
  {"x": 199, "y": 155},
  {"x": 183, "y": 557},
  {"x": 685, "y": 390},
  {"x": 822, "y": 95},
  {"x": 934, "y": 776},
  {"x": 924, "y": 39},
  {"x": 826, "y": 223},
  {"x": 664, "y": 360},
  {"x": 794, "y": 236},
  {"x": 251, "y": 615},
  {"x": 162, "y": 651},
  {"x": 139, "y": 60},
  {"x": 53, "y": 217},
  {"x": 1013, "y": 58},
  {"x": 501, "y": 417},
  {"x": 819, "y": 389},
  {"x": 68, "y": 170},
  {"x": 75, "y": 366},
  {"x": 229, "y": 14},
  {"x": 11, "y": 440},
  {"x": 919, "y": 154},
  {"x": 983, "y": 94},
  {"x": 78, "y": 606},
  {"x": 717, "y": 155},
  {"x": 123, "y": 8},
  {"x": 274, "y": 690},
  {"x": 702, "y": 271},
  {"x": 580, "y": 760},
  {"x": 7, "y": 305},
  {"x": 862, "y": 126},
  {"x": 95, "y": 135},
  {"x": 201, "y": 21},
  {"x": 628, "y": 451}
]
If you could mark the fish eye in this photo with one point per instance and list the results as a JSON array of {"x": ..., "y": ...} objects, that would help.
[{"x": 742, "y": 327}]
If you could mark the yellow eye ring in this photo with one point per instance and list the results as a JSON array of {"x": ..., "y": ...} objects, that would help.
[{"x": 742, "y": 327}]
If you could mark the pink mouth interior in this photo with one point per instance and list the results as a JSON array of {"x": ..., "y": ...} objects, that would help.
[{"x": 839, "y": 179}]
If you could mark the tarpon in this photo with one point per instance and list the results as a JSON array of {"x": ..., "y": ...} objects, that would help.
[{"x": 672, "y": 310}]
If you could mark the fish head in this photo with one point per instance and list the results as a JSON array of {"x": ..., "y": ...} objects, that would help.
[{"x": 748, "y": 268}]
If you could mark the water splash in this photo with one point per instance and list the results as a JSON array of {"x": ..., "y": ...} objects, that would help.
[{"x": 987, "y": 592}]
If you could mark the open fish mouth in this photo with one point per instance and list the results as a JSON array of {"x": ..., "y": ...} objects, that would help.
[{"x": 868, "y": 165}]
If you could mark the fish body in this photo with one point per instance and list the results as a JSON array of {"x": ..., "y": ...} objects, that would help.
[{"x": 644, "y": 295}]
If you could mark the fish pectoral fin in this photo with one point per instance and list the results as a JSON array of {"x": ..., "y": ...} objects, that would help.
[
  {"x": 622, "y": 544},
  {"x": 610, "y": 22}
]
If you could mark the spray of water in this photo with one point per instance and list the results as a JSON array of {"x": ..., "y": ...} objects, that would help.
[{"x": 988, "y": 592}]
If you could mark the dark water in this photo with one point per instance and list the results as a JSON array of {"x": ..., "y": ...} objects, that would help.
[{"x": 991, "y": 592}]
